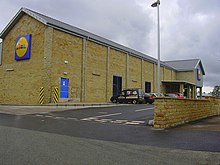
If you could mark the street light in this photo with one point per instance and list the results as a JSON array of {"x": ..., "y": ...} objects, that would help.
[{"x": 157, "y": 4}]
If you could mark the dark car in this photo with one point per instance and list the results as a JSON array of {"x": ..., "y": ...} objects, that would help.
[
  {"x": 133, "y": 96},
  {"x": 148, "y": 98}
]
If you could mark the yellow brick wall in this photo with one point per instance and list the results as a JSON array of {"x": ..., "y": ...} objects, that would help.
[
  {"x": 187, "y": 76},
  {"x": 148, "y": 72},
  {"x": 96, "y": 72},
  {"x": 117, "y": 67},
  {"x": 22, "y": 85},
  {"x": 67, "y": 51},
  {"x": 170, "y": 112},
  {"x": 174, "y": 75},
  {"x": 167, "y": 74},
  {"x": 135, "y": 73}
]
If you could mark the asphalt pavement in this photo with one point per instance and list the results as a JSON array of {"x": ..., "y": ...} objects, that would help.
[
  {"x": 28, "y": 147},
  {"x": 94, "y": 134}
]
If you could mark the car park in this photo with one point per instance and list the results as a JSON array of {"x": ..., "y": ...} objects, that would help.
[{"x": 134, "y": 96}]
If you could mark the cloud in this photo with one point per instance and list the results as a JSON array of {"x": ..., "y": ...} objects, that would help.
[{"x": 190, "y": 30}]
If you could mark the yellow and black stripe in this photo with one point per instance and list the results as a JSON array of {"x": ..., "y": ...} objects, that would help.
[
  {"x": 56, "y": 95},
  {"x": 41, "y": 99}
]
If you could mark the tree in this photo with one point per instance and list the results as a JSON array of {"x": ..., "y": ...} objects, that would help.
[{"x": 216, "y": 91}]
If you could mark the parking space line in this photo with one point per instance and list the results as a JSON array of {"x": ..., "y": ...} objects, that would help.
[
  {"x": 71, "y": 118},
  {"x": 121, "y": 121},
  {"x": 59, "y": 117},
  {"x": 48, "y": 116},
  {"x": 95, "y": 117},
  {"x": 88, "y": 119},
  {"x": 132, "y": 123},
  {"x": 40, "y": 115},
  {"x": 113, "y": 114},
  {"x": 107, "y": 120},
  {"x": 139, "y": 110},
  {"x": 139, "y": 122}
]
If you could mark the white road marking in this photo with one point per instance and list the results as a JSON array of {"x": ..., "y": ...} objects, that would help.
[
  {"x": 86, "y": 119},
  {"x": 71, "y": 118},
  {"x": 39, "y": 115},
  {"x": 106, "y": 120},
  {"x": 115, "y": 121},
  {"x": 95, "y": 117},
  {"x": 59, "y": 117},
  {"x": 139, "y": 122},
  {"x": 113, "y": 114},
  {"x": 122, "y": 121},
  {"x": 100, "y": 120},
  {"x": 132, "y": 123},
  {"x": 48, "y": 116},
  {"x": 139, "y": 110}
]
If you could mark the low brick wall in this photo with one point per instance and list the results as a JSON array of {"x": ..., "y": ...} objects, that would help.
[{"x": 170, "y": 112}]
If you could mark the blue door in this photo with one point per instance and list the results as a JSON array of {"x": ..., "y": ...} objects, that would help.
[{"x": 64, "y": 87}]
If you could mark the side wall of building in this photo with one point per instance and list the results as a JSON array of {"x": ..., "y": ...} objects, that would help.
[
  {"x": 149, "y": 74},
  {"x": 188, "y": 76},
  {"x": 20, "y": 81},
  {"x": 117, "y": 66},
  {"x": 96, "y": 63},
  {"x": 66, "y": 62}
]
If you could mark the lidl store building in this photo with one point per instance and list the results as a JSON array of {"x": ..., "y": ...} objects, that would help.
[{"x": 43, "y": 60}]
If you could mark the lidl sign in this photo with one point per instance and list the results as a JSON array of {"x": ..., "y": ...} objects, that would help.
[
  {"x": 23, "y": 47},
  {"x": 199, "y": 75}
]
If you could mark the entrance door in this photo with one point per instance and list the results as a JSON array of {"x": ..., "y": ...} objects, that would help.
[
  {"x": 117, "y": 85},
  {"x": 147, "y": 87},
  {"x": 64, "y": 87}
]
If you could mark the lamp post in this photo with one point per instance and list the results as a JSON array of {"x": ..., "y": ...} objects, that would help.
[{"x": 157, "y": 4}]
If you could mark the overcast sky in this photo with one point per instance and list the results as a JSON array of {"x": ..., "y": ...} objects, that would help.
[{"x": 190, "y": 29}]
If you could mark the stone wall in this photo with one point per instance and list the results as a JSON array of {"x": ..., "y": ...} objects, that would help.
[
  {"x": 96, "y": 63},
  {"x": 171, "y": 112},
  {"x": 20, "y": 81},
  {"x": 188, "y": 76},
  {"x": 66, "y": 62}
]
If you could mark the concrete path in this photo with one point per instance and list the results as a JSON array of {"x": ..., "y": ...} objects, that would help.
[{"x": 32, "y": 109}]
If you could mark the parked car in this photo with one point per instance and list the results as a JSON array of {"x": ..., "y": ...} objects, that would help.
[
  {"x": 175, "y": 94},
  {"x": 148, "y": 98},
  {"x": 171, "y": 95},
  {"x": 179, "y": 95},
  {"x": 156, "y": 94},
  {"x": 134, "y": 96}
]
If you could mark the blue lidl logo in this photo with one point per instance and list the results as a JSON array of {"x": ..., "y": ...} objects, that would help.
[{"x": 23, "y": 47}]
